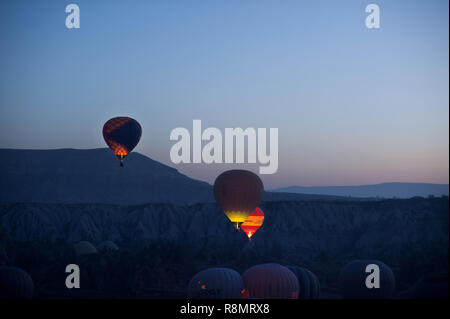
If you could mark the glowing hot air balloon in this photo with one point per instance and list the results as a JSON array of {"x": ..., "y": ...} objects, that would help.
[
  {"x": 238, "y": 193},
  {"x": 253, "y": 222},
  {"x": 122, "y": 134}
]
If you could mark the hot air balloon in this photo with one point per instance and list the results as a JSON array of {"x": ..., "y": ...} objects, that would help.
[
  {"x": 253, "y": 222},
  {"x": 108, "y": 246},
  {"x": 352, "y": 281},
  {"x": 122, "y": 134},
  {"x": 270, "y": 281},
  {"x": 309, "y": 285},
  {"x": 84, "y": 248},
  {"x": 15, "y": 283},
  {"x": 431, "y": 286},
  {"x": 238, "y": 193},
  {"x": 216, "y": 283}
]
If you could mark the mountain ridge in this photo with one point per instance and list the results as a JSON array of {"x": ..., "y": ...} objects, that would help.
[
  {"x": 383, "y": 190},
  {"x": 94, "y": 176}
]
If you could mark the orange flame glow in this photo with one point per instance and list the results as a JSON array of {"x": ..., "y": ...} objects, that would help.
[{"x": 253, "y": 222}]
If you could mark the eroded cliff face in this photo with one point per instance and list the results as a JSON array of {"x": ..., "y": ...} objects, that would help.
[{"x": 297, "y": 232}]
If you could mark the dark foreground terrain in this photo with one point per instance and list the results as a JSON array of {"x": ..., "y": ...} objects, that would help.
[{"x": 161, "y": 246}]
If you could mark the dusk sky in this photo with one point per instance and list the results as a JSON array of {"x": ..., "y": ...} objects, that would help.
[{"x": 352, "y": 105}]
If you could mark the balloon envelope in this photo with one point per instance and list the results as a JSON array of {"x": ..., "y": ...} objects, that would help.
[
  {"x": 216, "y": 283},
  {"x": 15, "y": 283},
  {"x": 238, "y": 193},
  {"x": 352, "y": 281},
  {"x": 253, "y": 222},
  {"x": 309, "y": 285},
  {"x": 431, "y": 286},
  {"x": 270, "y": 281},
  {"x": 122, "y": 134}
]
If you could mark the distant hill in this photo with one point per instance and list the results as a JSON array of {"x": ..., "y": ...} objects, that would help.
[
  {"x": 385, "y": 190},
  {"x": 94, "y": 176}
]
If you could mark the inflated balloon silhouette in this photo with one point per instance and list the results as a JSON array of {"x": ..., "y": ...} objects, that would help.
[
  {"x": 15, "y": 283},
  {"x": 122, "y": 134},
  {"x": 216, "y": 283},
  {"x": 253, "y": 222},
  {"x": 353, "y": 277},
  {"x": 270, "y": 281},
  {"x": 430, "y": 286},
  {"x": 238, "y": 193},
  {"x": 308, "y": 283}
]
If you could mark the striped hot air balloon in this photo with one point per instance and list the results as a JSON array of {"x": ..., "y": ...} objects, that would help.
[
  {"x": 122, "y": 134},
  {"x": 309, "y": 285},
  {"x": 352, "y": 281},
  {"x": 216, "y": 283},
  {"x": 15, "y": 283},
  {"x": 270, "y": 281},
  {"x": 238, "y": 193},
  {"x": 253, "y": 222}
]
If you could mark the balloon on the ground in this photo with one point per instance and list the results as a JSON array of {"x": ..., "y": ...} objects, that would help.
[
  {"x": 253, "y": 222},
  {"x": 353, "y": 277},
  {"x": 270, "y": 281},
  {"x": 15, "y": 283},
  {"x": 84, "y": 248},
  {"x": 309, "y": 284},
  {"x": 431, "y": 286},
  {"x": 216, "y": 283},
  {"x": 238, "y": 193},
  {"x": 122, "y": 134}
]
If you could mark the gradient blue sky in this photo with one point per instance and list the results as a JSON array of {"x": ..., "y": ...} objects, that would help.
[{"x": 353, "y": 105}]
